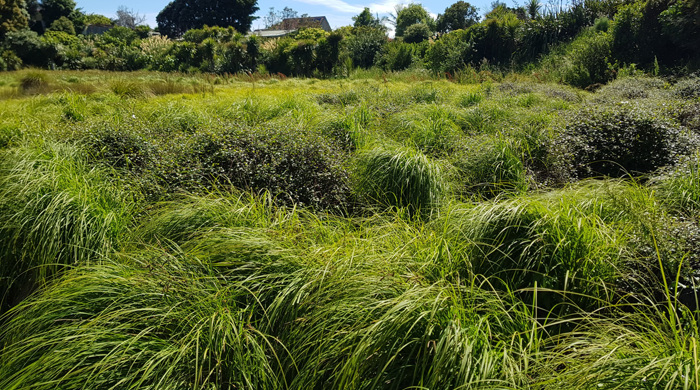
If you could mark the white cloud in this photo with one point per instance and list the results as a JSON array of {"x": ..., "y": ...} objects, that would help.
[{"x": 338, "y": 5}]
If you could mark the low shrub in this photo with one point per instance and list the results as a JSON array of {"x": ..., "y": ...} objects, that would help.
[
  {"x": 621, "y": 140},
  {"x": 688, "y": 88},
  {"x": 119, "y": 149},
  {"x": 305, "y": 170}
]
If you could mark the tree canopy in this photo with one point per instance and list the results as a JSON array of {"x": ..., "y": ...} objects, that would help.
[
  {"x": 410, "y": 15},
  {"x": 458, "y": 16},
  {"x": 365, "y": 18},
  {"x": 182, "y": 15},
  {"x": 53, "y": 9},
  {"x": 13, "y": 17}
]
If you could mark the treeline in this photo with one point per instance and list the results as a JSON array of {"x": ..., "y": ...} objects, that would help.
[{"x": 581, "y": 44}]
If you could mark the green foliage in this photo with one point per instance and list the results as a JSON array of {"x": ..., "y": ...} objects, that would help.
[
  {"x": 52, "y": 10},
  {"x": 57, "y": 211},
  {"x": 366, "y": 19},
  {"x": 621, "y": 140},
  {"x": 363, "y": 45},
  {"x": 12, "y": 17},
  {"x": 412, "y": 14},
  {"x": 396, "y": 56},
  {"x": 459, "y": 16},
  {"x": 296, "y": 170},
  {"x": 400, "y": 177},
  {"x": 179, "y": 16},
  {"x": 584, "y": 61},
  {"x": 490, "y": 168},
  {"x": 29, "y": 48},
  {"x": 62, "y": 24},
  {"x": 416, "y": 33},
  {"x": 681, "y": 23}
]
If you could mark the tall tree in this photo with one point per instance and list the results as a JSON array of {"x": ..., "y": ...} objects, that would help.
[
  {"x": 365, "y": 18},
  {"x": 458, "y": 16},
  {"x": 13, "y": 16},
  {"x": 410, "y": 15},
  {"x": 182, "y": 15},
  {"x": 53, "y": 9}
]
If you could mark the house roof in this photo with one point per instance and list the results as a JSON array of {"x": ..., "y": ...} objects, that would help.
[
  {"x": 271, "y": 33},
  {"x": 296, "y": 23}
]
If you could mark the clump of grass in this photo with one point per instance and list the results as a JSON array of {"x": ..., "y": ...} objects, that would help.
[
  {"x": 56, "y": 211},
  {"x": 680, "y": 187},
  {"x": 471, "y": 99},
  {"x": 563, "y": 246},
  {"x": 400, "y": 177},
  {"x": 490, "y": 168},
  {"x": 129, "y": 89},
  {"x": 34, "y": 82}
]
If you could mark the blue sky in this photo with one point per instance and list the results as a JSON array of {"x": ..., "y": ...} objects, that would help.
[{"x": 338, "y": 12}]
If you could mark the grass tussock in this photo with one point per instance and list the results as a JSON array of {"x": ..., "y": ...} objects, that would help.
[{"x": 56, "y": 212}]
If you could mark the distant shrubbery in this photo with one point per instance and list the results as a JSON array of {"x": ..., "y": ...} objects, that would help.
[{"x": 583, "y": 45}]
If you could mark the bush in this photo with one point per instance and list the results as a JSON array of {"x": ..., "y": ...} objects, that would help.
[
  {"x": 416, "y": 33},
  {"x": 688, "y": 88},
  {"x": 400, "y": 177},
  {"x": 296, "y": 170},
  {"x": 621, "y": 140}
]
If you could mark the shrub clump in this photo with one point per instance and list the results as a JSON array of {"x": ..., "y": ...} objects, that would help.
[
  {"x": 620, "y": 141},
  {"x": 303, "y": 170}
]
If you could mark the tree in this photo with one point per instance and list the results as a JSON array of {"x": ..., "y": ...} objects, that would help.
[
  {"x": 275, "y": 17},
  {"x": 182, "y": 15},
  {"x": 412, "y": 14},
  {"x": 62, "y": 24},
  {"x": 13, "y": 16},
  {"x": 128, "y": 18},
  {"x": 51, "y": 10},
  {"x": 458, "y": 16},
  {"x": 416, "y": 33}
]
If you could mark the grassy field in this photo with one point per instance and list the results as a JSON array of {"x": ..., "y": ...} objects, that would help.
[{"x": 162, "y": 231}]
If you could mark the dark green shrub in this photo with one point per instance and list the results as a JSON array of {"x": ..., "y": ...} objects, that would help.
[
  {"x": 304, "y": 170},
  {"x": 364, "y": 44},
  {"x": 417, "y": 33},
  {"x": 586, "y": 61},
  {"x": 62, "y": 24},
  {"x": 396, "y": 56},
  {"x": 30, "y": 48},
  {"x": 621, "y": 140},
  {"x": 687, "y": 88},
  {"x": 119, "y": 149}
]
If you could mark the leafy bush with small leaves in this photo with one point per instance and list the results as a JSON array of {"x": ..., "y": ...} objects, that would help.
[
  {"x": 304, "y": 170},
  {"x": 119, "y": 149},
  {"x": 688, "y": 88},
  {"x": 621, "y": 140}
]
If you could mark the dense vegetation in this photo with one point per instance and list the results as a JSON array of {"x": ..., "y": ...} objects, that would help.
[
  {"x": 581, "y": 44},
  {"x": 165, "y": 231}
]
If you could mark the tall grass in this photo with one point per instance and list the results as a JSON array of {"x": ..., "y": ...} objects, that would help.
[
  {"x": 56, "y": 211},
  {"x": 400, "y": 177}
]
